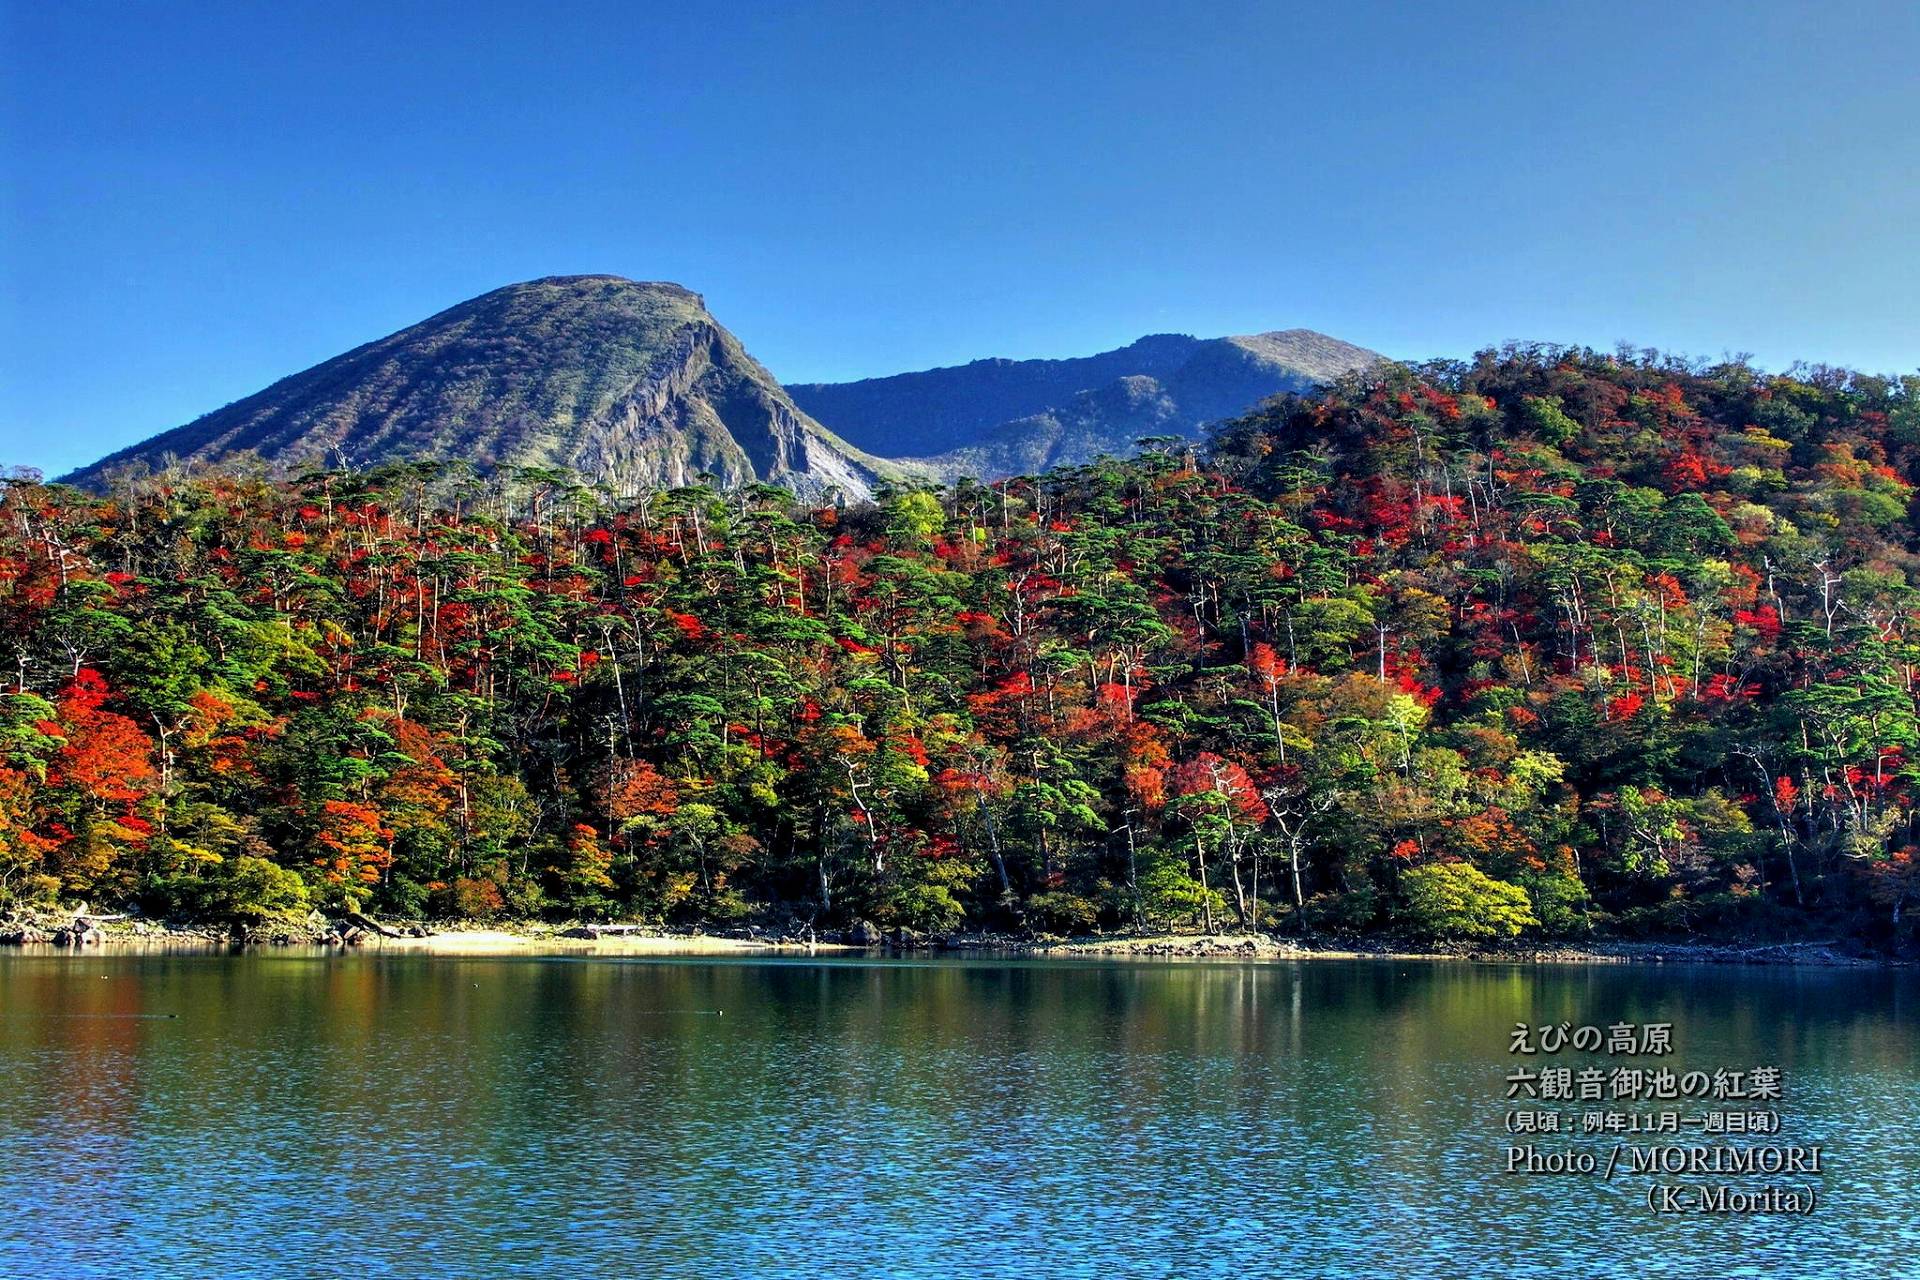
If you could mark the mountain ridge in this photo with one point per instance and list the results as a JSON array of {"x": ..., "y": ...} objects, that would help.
[{"x": 999, "y": 416}]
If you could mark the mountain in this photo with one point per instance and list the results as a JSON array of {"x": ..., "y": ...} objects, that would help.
[
  {"x": 629, "y": 383},
  {"x": 637, "y": 386},
  {"x": 1002, "y": 417}
]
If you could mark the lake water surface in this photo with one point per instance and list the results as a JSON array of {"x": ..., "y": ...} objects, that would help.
[{"x": 305, "y": 1115}]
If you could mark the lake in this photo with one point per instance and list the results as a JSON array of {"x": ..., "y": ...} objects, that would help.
[{"x": 283, "y": 1114}]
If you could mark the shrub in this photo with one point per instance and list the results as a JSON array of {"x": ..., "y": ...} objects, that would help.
[
  {"x": 33, "y": 890},
  {"x": 1168, "y": 895},
  {"x": 1352, "y": 911},
  {"x": 1559, "y": 900},
  {"x": 476, "y": 899},
  {"x": 254, "y": 889},
  {"x": 407, "y": 897},
  {"x": 1060, "y": 912},
  {"x": 929, "y": 908},
  {"x": 1458, "y": 900}
]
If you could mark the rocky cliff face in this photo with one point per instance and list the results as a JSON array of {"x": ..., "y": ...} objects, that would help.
[{"x": 628, "y": 383}]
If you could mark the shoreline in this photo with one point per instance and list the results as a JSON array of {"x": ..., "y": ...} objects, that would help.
[
  {"x": 581, "y": 941},
  {"x": 1604, "y": 952}
]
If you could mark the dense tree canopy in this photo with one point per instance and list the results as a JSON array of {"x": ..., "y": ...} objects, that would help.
[{"x": 1625, "y": 642}]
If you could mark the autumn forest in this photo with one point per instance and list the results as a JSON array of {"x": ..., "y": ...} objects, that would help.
[{"x": 1551, "y": 643}]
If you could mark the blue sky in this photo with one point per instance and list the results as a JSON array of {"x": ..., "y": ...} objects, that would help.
[{"x": 196, "y": 199}]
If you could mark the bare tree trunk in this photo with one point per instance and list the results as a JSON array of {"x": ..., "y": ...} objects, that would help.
[
  {"x": 1206, "y": 894},
  {"x": 993, "y": 850},
  {"x": 1299, "y": 899},
  {"x": 1239, "y": 892}
]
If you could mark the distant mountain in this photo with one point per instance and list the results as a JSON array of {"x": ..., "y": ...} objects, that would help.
[
  {"x": 630, "y": 383},
  {"x": 1007, "y": 417}
]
